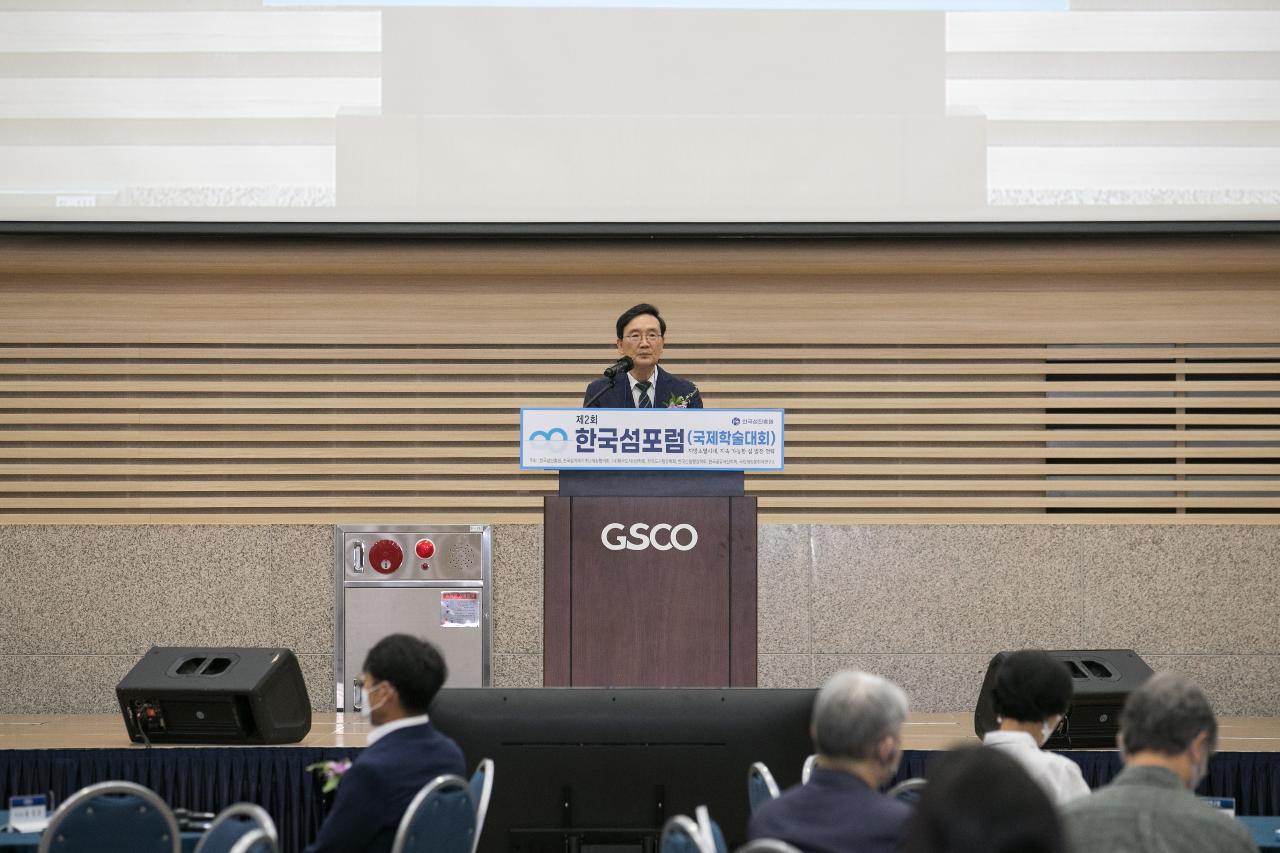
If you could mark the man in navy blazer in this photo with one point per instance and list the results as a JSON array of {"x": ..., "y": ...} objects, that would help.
[
  {"x": 857, "y": 730},
  {"x": 641, "y": 334},
  {"x": 401, "y": 676}
]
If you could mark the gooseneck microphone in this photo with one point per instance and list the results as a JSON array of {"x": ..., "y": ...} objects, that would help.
[{"x": 622, "y": 365}]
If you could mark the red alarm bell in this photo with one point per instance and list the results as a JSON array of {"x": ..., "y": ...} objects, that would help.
[{"x": 385, "y": 556}]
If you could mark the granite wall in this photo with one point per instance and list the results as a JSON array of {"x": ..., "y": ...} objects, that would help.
[
  {"x": 929, "y": 605},
  {"x": 924, "y": 604}
]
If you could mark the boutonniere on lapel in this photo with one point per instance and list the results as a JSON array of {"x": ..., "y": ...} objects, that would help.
[
  {"x": 676, "y": 402},
  {"x": 329, "y": 773}
]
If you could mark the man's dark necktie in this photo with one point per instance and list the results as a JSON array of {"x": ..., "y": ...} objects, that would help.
[{"x": 645, "y": 402}]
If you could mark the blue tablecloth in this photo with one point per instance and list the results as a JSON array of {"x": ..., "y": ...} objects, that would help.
[
  {"x": 31, "y": 840},
  {"x": 1265, "y": 830}
]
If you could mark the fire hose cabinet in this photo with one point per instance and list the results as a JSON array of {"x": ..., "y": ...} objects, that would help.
[{"x": 429, "y": 581}]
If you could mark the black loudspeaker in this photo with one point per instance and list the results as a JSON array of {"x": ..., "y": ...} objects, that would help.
[
  {"x": 1101, "y": 679},
  {"x": 217, "y": 695}
]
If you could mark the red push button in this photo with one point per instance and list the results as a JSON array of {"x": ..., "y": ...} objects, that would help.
[
  {"x": 425, "y": 548},
  {"x": 385, "y": 556}
]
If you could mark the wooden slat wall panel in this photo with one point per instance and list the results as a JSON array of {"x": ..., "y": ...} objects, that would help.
[
  {"x": 281, "y": 381},
  {"x": 1162, "y": 433}
]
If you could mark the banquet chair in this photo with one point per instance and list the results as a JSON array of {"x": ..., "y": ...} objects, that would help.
[
  {"x": 680, "y": 834},
  {"x": 767, "y": 845},
  {"x": 232, "y": 823},
  {"x": 697, "y": 834},
  {"x": 441, "y": 819},
  {"x": 907, "y": 791},
  {"x": 112, "y": 817},
  {"x": 255, "y": 841},
  {"x": 481, "y": 785},
  {"x": 761, "y": 786},
  {"x": 710, "y": 830}
]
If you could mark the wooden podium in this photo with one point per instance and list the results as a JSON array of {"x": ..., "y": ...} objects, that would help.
[{"x": 649, "y": 580}]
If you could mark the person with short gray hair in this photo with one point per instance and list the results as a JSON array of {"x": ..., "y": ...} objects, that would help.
[
  {"x": 1167, "y": 734},
  {"x": 1166, "y": 716},
  {"x": 857, "y": 732},
  {"x": 854, "y": 713}
]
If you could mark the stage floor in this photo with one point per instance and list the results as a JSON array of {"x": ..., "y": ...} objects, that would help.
[{"x": 922, "y": 732}]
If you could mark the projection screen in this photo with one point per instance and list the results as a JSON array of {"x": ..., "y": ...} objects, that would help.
[{"x": 624, "y": 111}]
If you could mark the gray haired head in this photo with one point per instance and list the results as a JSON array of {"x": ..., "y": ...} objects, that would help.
[
  {"x": 854, "y": 712},
  {"x": 1165, "y": 715}
]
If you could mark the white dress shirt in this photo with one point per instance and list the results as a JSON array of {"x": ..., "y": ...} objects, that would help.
[
  {"x": 653, "y": 388},
  {"x": 1059, "y": 776},
  {"x": 385, "y": 729}
]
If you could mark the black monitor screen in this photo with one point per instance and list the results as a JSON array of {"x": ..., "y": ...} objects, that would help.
[{"x": 582, "y": 768}]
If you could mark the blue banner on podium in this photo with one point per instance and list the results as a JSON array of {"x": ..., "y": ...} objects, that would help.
[{"x": 652, "y": 439}]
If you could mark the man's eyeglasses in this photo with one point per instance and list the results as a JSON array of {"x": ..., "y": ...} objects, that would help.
[{"x": 636, "y": 337}]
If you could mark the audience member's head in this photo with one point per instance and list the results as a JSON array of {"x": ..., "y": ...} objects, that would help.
[
  {"x": 402, "y": 674},
  {"x": 980, "y": 800},
  {"x": 1031, "y": 692},
  {"x": 857, "y": 725},
  {"x": 1168, "y": 722}
]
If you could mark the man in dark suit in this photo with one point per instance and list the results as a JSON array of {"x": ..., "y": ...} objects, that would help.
[
  {"x": 401, "y": 676},
  {"x": 857, "y": 730},
  {"x": 641, "y": 334}
]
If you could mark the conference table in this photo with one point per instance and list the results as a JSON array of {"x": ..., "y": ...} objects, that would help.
[
  {"x": 1265, "y": 831},
  {"x": 31, "y": 840}
]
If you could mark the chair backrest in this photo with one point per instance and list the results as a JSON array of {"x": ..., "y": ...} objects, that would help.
[
  {"x": 233, "y": 822},
  {"x": 255, "y": 841},
  {"x": 767, "y": 845},
  {"x": 710, "y": 830},
  {"x": 760, "y": 785},
  {"x": 112, "y": 817},
  {"x": 907, "y": 791},
  {"x": 441, "y": 818},
  {"x": 807, "y": 770},
  {"x": 680, "y": 834},
  {"x": 481, "y": 787}
]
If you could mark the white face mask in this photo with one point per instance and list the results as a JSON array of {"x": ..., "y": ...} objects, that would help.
[
  {"x": 366, "y": 710},
  {"x": 1047, "y": 729}
]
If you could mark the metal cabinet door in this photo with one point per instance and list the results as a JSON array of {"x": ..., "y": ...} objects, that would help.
[{"x": 372, "y": 613}]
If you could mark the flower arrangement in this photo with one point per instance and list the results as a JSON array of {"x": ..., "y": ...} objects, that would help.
[{"x": 330, "y": 772}]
